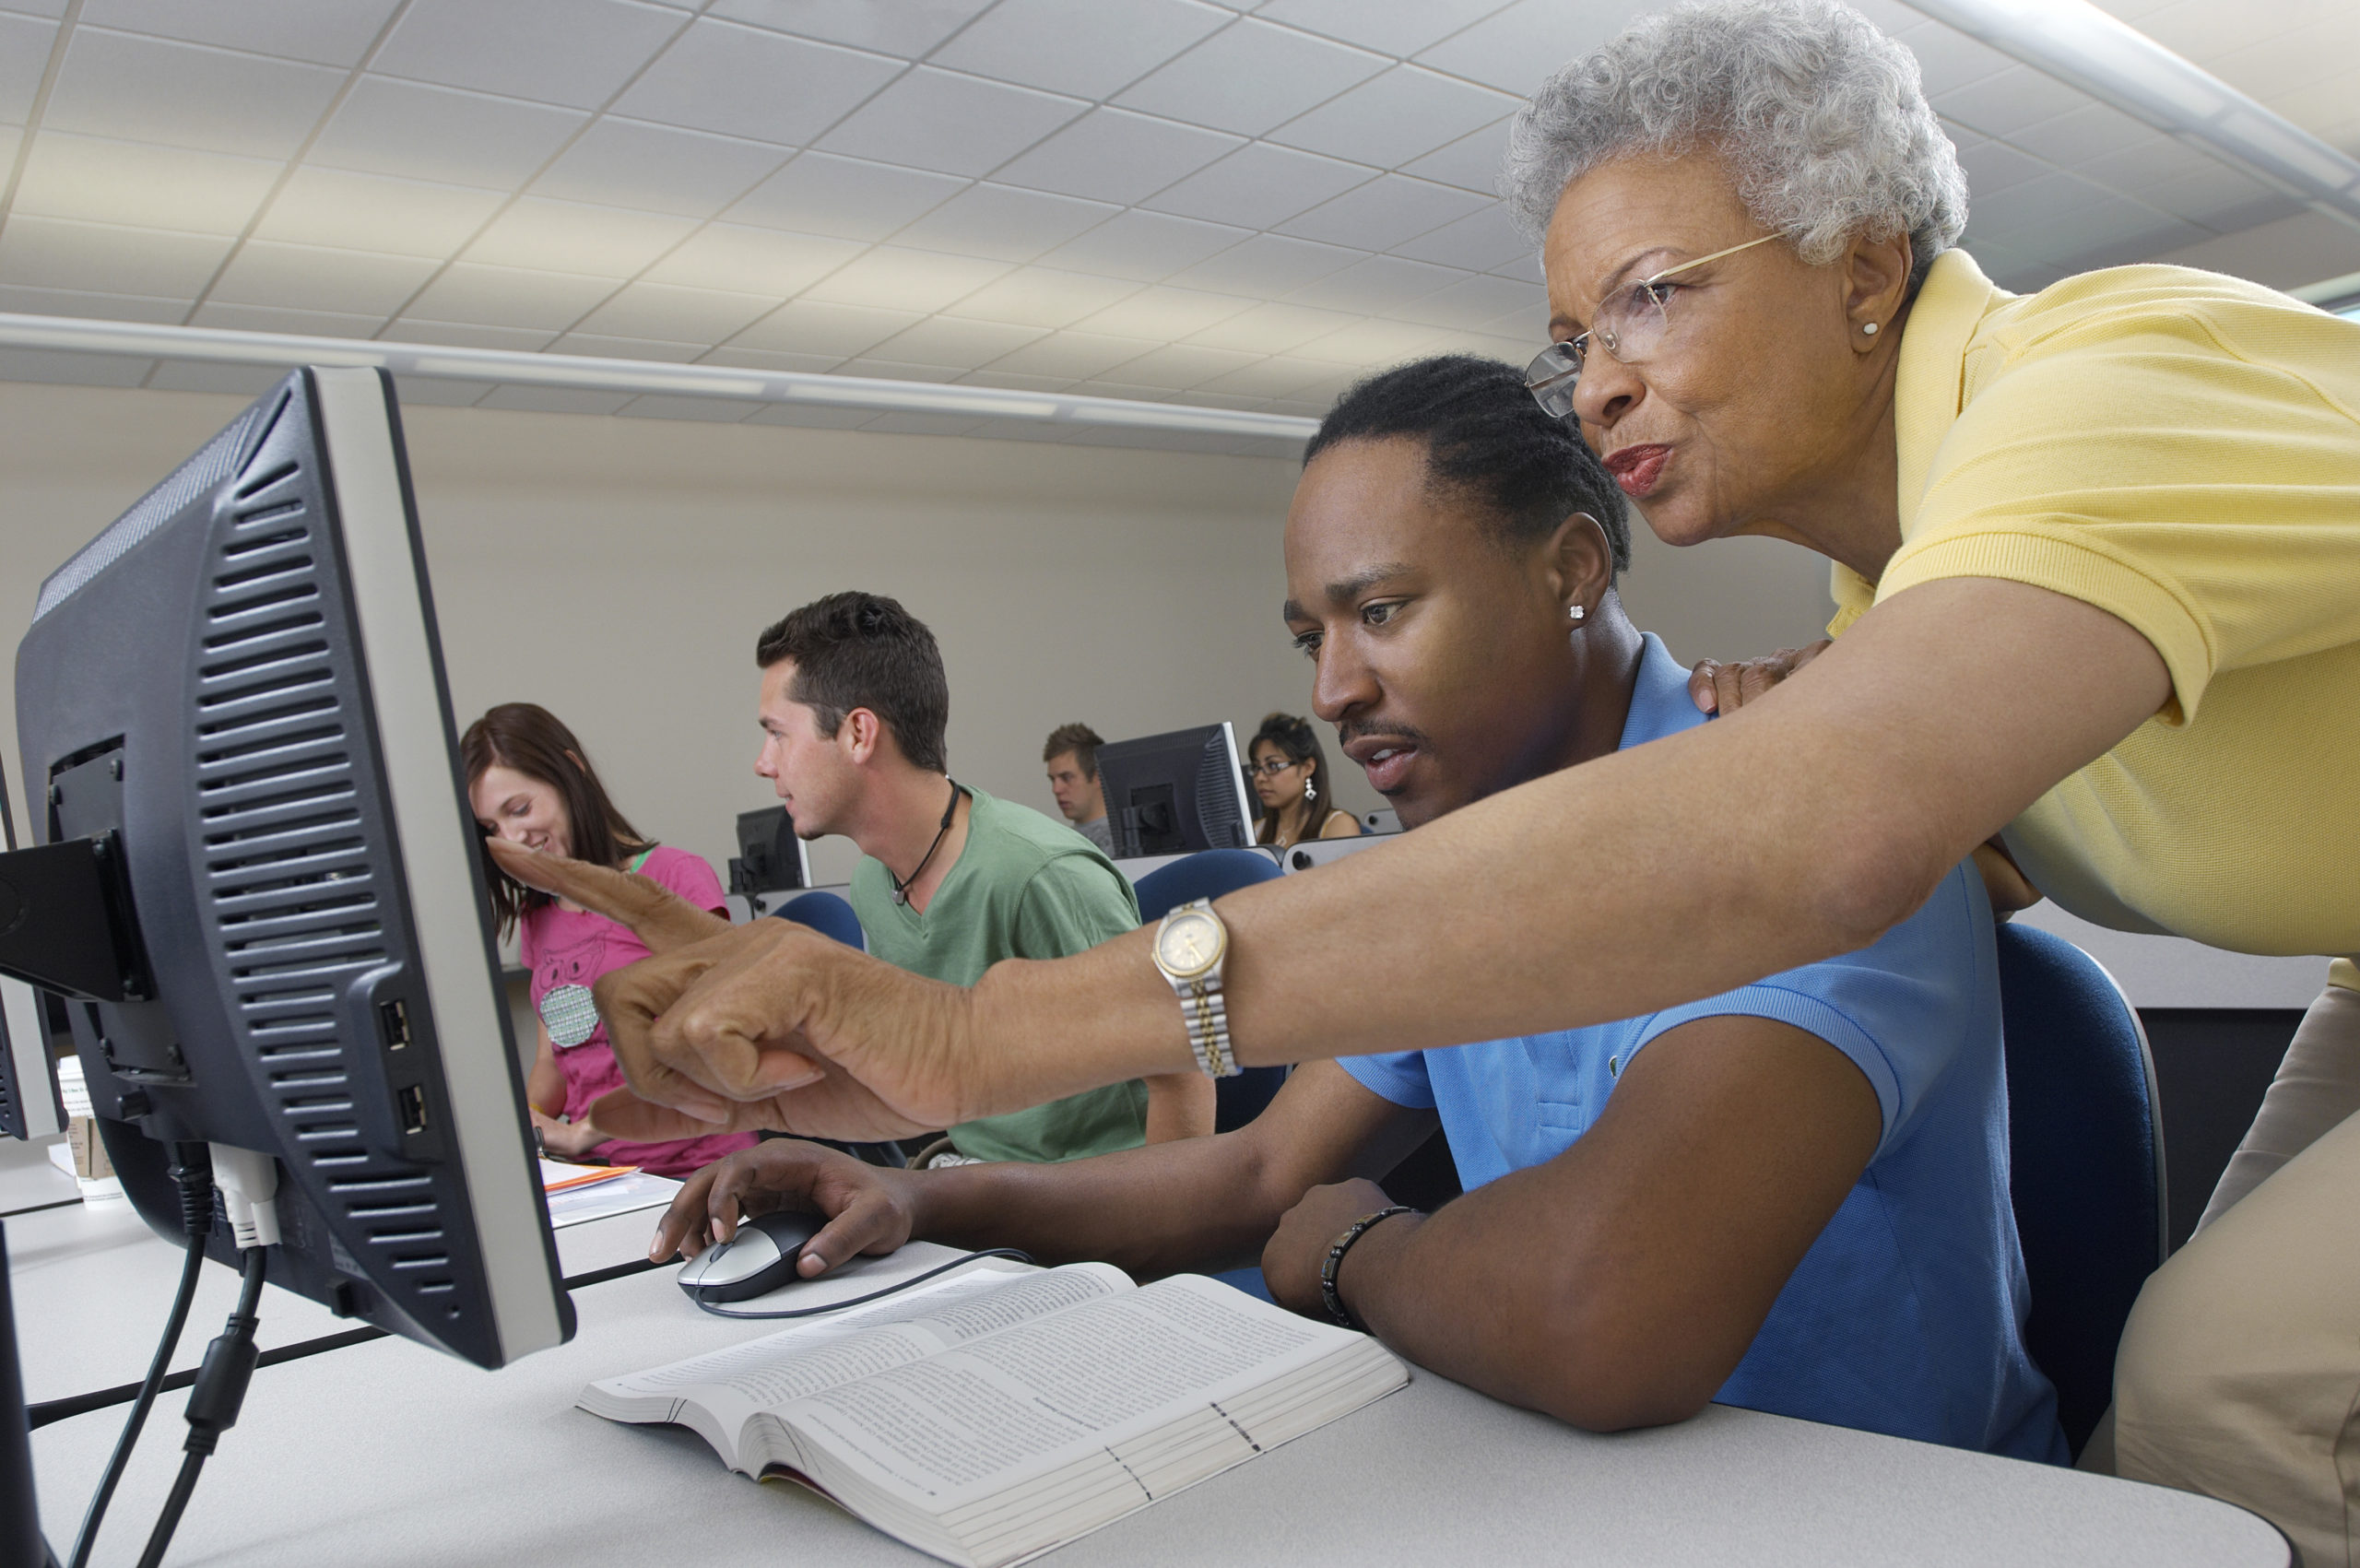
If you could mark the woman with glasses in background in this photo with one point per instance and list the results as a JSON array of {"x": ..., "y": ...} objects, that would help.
[{"x": 1290, "y": 777}]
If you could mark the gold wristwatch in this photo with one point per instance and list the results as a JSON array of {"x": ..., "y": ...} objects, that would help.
[{"x": 1189, "y": 948}]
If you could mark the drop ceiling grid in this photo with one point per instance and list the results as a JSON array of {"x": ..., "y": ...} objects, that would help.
[{"x": 1191, "y": 203}]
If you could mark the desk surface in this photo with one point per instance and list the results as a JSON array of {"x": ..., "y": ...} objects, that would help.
[{"x": 387, "y": 1453}]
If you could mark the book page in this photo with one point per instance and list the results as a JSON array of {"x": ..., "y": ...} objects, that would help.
[{"x": 959, "y": 1424}]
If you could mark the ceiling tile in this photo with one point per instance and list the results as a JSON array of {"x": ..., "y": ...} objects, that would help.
[
  {"x": 25, "y": 43},
  {"x": 1267, "y": 265},
  {"x": 334, "y": 34},
  {"x": 1383, "y": 213},
  {"x": 1994, "y": 166},
  {"x": 2094, "y": 130},
  {"x": 2005, "y": 103},
  {"x": 904, "y": 29},
  {"x": 554, "y": 236},
  {"x": 890, "y": 278},
  {"x": 1948, "y": 59},
  {"x": 1072, "y": 355},
  {"x": 808, "y": 326},
  {"x": 1272, "y": 329},
  {"x": 591, "y": 346},
  {"x": 470, "y": 335},
  {"x": 310, "y": 278},
  {"x": 941, "y": 340},
  {"x": 1164, "y": 314},
  {"x": 577, "y": 52},
  {"x": 849, "y": 197},
  {"x": 2044, "y": 199},
  {"x": 1379, "y": 286},
  {"x": 276, "y": 318},
  {"x": 56, "y": 252},
  {"x": 896, "y": 369},
  {"x": 2136, "y": 170},
  {"x": 105, "y": 307},
  {"x": 1525, "y": 265},
  {"x": 1391, "y": 119},
  {"x": 1112, "y": 154},
  {"x": 142, "y": 184},
  {"x": 1010, "y": 381},
  {"x": 510, "y": 296},
  {"x": 953, "y": 124},
  {"x": 1399, "y": 28},
  {"x": 1471, "y": 163},
  {"x": 1040, "y": 296},
  {"x": 426, "y": 133},
  {"x": 1003, "y": 222},
  {"x": 1250, "y": 78},
  {"x": 1074, "y": 46},
  {"x": 1480, "y": 301},
  {"x": 675, "y": 314},
  {"x": 753, "y": 261},
  {"x": 657, "y": 168},
  {"x": 1145, "y": 245},
  {"x": 746, "y": 82},
  {"x": 1274, "y": 377},
  {"x": 1180, "y": 366},
  {"x": 1483, "y": 241},
  {"x": 151, "y": 90},
  {"x": 772, "y": 359},
  {"x": 1518, "y": 49},
  {"x": 1260, "y": 186},
  {"x": 1372, "y": 343},
  {"x": 2219, "y": 197},
  {"x": 375, "y": 212}
]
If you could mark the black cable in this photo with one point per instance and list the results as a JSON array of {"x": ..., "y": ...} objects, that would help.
[
  {"x": 212, "y": 1403},
  {"x": 37, "y": 1208},
  {"x": 873, "y": 1295},
  {"x": 191, "y": 1168}
]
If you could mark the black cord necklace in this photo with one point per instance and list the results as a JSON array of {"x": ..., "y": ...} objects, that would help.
[{"x": 901, "y": 888}]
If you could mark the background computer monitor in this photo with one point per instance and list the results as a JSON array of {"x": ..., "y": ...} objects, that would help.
[
  {"x": 30, "y": 1104},
  {"x": 1176, "y": 794},
  {"x": 239, "y": 762},
  {"x": 770, "y": 858}
]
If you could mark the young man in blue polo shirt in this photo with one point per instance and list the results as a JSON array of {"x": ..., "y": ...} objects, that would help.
[{"x": 1792, "y": 1196}]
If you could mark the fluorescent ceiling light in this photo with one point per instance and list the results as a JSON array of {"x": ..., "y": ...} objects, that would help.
[
  {"x": 2116, "y": 63},
  {"x": 446, "y": 362}
]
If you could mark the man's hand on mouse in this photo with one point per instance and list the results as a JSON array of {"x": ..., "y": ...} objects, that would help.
[{"x": 870, "y": 1209}]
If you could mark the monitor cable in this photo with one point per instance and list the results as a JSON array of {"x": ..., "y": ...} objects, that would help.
[
  {"x": 893, "y": 1290},
  {"x": 212, "y": 1403},
  {"x": 193, "y": 1171}
]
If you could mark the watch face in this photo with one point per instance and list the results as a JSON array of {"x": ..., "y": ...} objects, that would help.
[{"x": 1190, "y": 944}]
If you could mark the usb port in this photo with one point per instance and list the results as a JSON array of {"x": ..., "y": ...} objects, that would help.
[
  {"x": 394, "y": 1019},
  {"x": 412, "y": 1102}
]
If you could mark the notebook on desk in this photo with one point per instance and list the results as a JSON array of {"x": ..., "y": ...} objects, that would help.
[{"x": 991, "y": 1417}]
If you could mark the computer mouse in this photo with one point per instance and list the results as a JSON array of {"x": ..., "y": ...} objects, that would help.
[{"x": 759, "y": 1258}]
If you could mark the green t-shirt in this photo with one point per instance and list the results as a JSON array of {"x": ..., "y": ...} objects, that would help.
[{"x": 1022, "y": 887}]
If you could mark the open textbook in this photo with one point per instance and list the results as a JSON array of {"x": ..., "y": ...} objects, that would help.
[{"x": 995, "y": 1416}]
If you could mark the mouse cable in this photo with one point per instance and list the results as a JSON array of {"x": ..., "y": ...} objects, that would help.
[
  {"x": 874, "y": 1295},
  {"x": 213, "y": 1402},
  {"x": 191, "y": 1170}
]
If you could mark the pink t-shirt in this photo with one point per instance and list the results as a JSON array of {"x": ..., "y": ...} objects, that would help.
[{"x": 567, "y": 951}]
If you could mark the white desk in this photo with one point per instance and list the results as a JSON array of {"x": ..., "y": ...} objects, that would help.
[{"x": 386, "y": 1452}]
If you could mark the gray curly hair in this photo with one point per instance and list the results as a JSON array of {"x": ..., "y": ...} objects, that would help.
[{"x": 1820, "y": 116}]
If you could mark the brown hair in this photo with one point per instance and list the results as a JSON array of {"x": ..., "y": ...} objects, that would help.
[
  {"x": 1296, "y": 740},
  {"x": 528, "y": 738},
  {"x": 865, "y": 651},
  {"x": 1079, "y": 739}
]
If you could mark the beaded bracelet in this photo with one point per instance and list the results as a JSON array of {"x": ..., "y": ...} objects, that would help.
[{"x": 1328, "y": 1270}]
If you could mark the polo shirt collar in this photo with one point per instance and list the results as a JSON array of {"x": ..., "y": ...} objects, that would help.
[{"x": 1659, "y": 700}]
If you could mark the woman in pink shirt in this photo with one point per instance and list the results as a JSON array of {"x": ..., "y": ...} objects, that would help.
[{"x": 529, "y": 781}]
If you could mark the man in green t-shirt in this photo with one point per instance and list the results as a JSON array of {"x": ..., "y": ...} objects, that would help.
[{"x": 854, "y": 704}]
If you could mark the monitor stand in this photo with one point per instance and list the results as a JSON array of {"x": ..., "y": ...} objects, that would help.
[{"x": 21, "y": 1545}]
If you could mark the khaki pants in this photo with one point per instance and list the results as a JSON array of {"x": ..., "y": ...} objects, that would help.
[{"x": 2239, "y": 1370}]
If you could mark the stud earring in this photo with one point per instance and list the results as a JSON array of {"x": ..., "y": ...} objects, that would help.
[
  {"x": 1575, "y": 614},
  {"x": 1870, "y": 328}
]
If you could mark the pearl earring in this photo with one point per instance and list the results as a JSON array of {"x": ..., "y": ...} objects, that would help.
[
  {"x": 1309, "y": 793},
  {"x": 1868, "y": 327}
]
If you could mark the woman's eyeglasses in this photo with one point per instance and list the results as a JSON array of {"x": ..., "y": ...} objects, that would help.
[
  {"x": 1630, "y": 326},
  {"x": 1270, "y": 767}
]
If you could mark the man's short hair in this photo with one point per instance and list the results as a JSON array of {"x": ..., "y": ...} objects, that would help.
[
  {"x": 1487, "y": 440},
  {"x": 865, "y": 651},
  {"x": 1079, "y": 739}
]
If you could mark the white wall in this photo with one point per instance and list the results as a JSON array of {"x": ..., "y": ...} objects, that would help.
[{"x": 616, "y": 570}]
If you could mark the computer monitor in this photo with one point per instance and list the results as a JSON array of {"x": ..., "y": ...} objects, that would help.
[
  {"x": 770, "y": 858},
  {"x": 30, "y": 1104},
  {"x": 1176, "y": 794},
  {"x": 259, "y": 881}
]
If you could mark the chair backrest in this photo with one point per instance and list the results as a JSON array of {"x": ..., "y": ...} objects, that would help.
[
  {"x": 827, "y": 914},
  {"x": 2086, "y": 1162},
  {"x": 1208, "y": 875}
]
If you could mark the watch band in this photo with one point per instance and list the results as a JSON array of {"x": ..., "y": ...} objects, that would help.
[
  {"x": 1335, "y": 1263},
  {"x": 1208, "y": 1017}
]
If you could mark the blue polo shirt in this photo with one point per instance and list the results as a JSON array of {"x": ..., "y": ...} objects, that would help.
[{"x": 1906, "y": 1316}]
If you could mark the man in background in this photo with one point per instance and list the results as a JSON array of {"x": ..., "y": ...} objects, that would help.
[{"x": 1072, "y": 758}]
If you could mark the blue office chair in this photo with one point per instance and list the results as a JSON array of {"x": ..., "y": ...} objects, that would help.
[
  {"x": 1208, "y": 875},
  {"x": 2086, "y": 1164},
  {"x": 827, "y": 914}
]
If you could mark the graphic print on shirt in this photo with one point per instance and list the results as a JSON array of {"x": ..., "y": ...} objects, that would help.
[{"x": 562, "y": 980}]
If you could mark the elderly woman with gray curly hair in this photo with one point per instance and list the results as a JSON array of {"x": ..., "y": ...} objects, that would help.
[{"x": 2097, "y": 552}]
